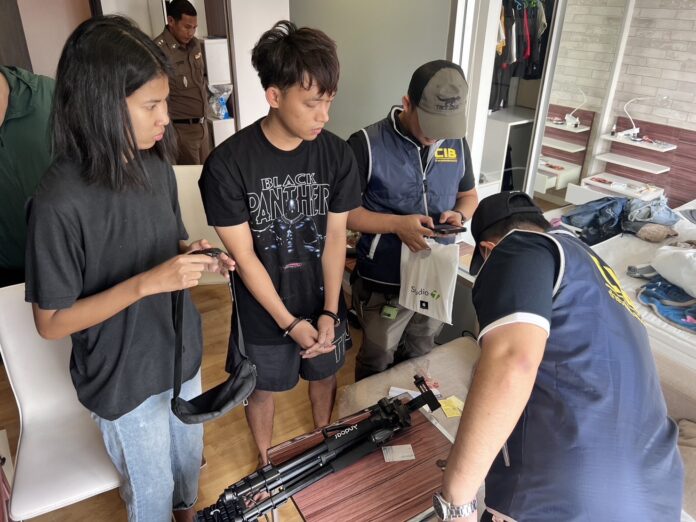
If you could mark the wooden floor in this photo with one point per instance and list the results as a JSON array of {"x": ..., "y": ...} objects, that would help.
[
  {"x": 229, "y": 447},
  {"x": 545, "y": 205}
]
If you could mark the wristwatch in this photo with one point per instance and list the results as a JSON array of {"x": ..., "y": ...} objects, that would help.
[
  {"x": 462, "y": 215},
  {"x": 446, "y": 511}
]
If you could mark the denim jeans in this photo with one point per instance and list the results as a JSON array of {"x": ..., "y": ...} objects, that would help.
[
  {"x": 157, "y": 456},
  {"x": 638, "y": 213}
]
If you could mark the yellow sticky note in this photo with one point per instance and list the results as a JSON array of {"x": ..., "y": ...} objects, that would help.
[
  {"x": 457, "y": 402},
  {"x": 452, "y": 406}
]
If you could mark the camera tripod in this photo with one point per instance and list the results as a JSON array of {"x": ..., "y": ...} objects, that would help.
[{"x": 340, "y": 446}]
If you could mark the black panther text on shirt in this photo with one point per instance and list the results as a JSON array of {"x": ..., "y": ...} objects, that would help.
[{"x": 285, "y": 196}]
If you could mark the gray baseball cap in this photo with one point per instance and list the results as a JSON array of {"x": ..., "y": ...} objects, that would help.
[{"x": 440, "y": 93}]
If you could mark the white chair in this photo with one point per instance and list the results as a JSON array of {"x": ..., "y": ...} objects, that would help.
[
  {"x": 61, "y": 457},
  {"x": 193, "y": 213}
]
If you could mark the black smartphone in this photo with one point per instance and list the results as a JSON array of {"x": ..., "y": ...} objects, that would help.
[
  {"x": 446, "y": 228},
  {"x": 211, "y": 252}
]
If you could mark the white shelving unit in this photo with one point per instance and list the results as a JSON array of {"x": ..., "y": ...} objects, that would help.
[
  {"x": 666, "y": 147},
  {"x": 249, "y": 21},
  {"x": 570, "y": 173},
  {"x": 565, "y": 146},
  {"x": 545, "y": 181},
  {"x": 616, "y": 185},
  {"x": 633, "y": 163},
  {"x": 567, "y": 128},
  {"x": 512, "y": 126},
  {"x": 217, "y": 61},
  {"x": 512, "y": 116},
  {"x": 488, "y": 188},
  {"x": 218, "y": 70},
  {"x": 221, "y": 129},
  {"x": 581, "y": 194}
]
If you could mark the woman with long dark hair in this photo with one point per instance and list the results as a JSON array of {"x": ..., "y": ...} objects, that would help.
[{"x": 105, "y": 250}]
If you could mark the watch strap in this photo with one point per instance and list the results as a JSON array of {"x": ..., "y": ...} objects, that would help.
[{"x": 452, "y": 511}]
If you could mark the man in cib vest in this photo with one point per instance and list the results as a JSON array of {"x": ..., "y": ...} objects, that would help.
[
  {"x": 415, "y": 170},
  {"x": 566, "y": 385}
]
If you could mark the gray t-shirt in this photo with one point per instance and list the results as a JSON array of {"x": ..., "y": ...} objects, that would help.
[{"x": 84, "y": 239}]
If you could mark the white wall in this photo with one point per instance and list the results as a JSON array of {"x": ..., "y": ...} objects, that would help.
[
  {"x": 46, "y": 27},
  {"x": 587, "y": 52},
  {"x": 136, "y": 10},
  {"x": 249, "y": 21},
  {"x": 380, "y": 44},
  {"x": 659, "y": 61}
]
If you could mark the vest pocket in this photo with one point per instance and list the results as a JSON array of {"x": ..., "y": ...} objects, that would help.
[{"x": 373, "y": 246}]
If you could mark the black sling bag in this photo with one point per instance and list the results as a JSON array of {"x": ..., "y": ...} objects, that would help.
[{"x": 225, "y": 396}]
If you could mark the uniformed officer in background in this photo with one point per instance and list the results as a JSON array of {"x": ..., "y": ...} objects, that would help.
[{"x": 187, "y": 90}]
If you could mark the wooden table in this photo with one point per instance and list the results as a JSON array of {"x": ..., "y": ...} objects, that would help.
[{"x": 372, "y": 490}]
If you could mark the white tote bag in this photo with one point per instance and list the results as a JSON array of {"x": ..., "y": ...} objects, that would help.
[
  {"x": 678, "y": 266},
  {"x": 428, "y": 280}
]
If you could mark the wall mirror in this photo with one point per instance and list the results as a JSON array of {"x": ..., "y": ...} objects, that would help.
[
  {"x": 620, "y": 119},
  {"x": 522, "y": 64},
  {"x": 588, "y": 41}
]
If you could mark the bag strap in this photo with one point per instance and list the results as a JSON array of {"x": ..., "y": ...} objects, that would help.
[
  {"x": 178, "y": 298},
  {"x": 233, "y": 297}
]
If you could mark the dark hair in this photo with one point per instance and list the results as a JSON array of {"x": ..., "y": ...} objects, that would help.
[
  {"x": 522, "y": 220},
  {"x": 285, "y": 56},
  {"x": 177, "y": 8},
  {"x": 103, "y": 62}
]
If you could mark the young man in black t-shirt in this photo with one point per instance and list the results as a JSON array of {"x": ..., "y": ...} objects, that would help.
[{"x": 278, "y": 193}]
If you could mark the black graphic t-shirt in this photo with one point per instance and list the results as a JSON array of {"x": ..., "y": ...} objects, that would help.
[{"x": 285, "y": 197}]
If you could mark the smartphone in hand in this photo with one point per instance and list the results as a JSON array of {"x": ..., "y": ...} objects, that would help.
[{"x": 446, "y": 228}]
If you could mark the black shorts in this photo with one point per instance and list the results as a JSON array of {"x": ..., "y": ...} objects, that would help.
[{"x": 279, "y": 366}]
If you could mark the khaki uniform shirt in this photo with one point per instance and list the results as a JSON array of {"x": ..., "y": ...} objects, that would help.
[{"x": 187, "y": 90}]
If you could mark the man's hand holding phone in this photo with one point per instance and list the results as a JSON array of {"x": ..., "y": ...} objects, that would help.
[
  {"x": 451, "y": 222},
  {"x": 446, "y": 228}
]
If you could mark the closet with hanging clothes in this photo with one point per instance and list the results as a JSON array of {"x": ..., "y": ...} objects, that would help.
[
  {"x": 519, "y": 58},
  {"x": 520, "y": 51}
]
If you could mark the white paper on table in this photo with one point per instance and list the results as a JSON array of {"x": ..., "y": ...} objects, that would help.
[{"x": 398, "y": 452}]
